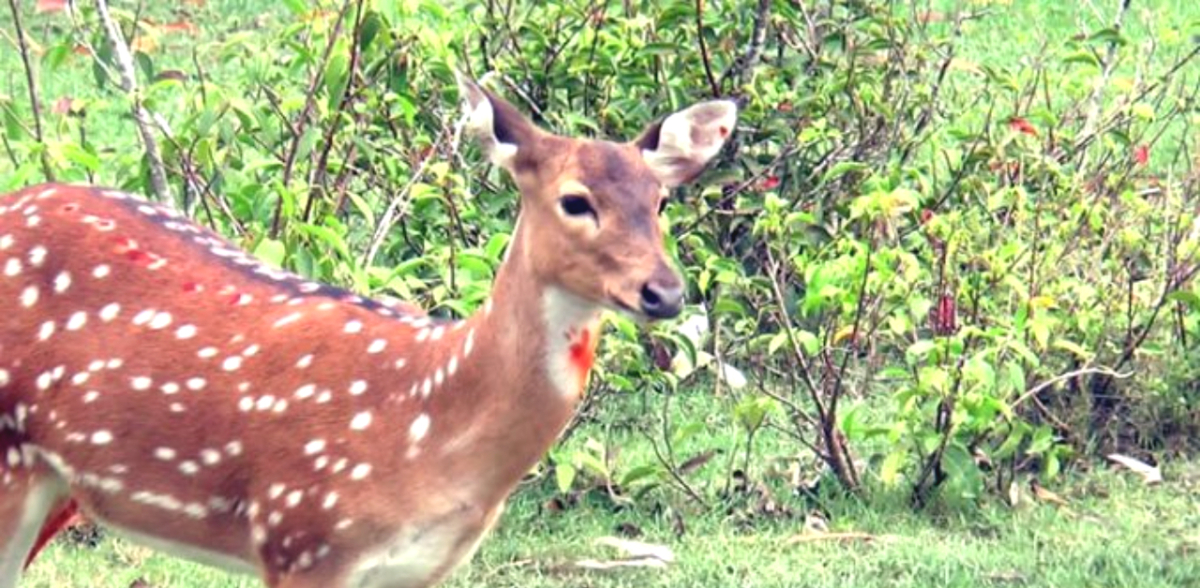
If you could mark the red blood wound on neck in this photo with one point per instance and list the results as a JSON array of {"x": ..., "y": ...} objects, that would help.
[
  {"x": 583, "y": 352},
  {"x": 138, "y": 256},
  {"x": 192, "y": 287}
]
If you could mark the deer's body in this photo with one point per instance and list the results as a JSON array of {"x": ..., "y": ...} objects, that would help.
[{"x": 204, "y": 404}]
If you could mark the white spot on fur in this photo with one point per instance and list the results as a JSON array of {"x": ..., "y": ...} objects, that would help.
[
  {"x": 419, "y": 428},
  {"x": 29, "y": 296},
  {"x": 360, "y": 471},
  {"x": 61, "y": 282},
  {"x": 110, "y": 311},
  {"x": 76, "y": 321},
  {"x": 361, "y": 421}
]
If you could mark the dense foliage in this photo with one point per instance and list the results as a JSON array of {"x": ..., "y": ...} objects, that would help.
[{"x": 934, "y": 274}]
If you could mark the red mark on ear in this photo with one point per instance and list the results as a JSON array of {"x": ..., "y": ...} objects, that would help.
[
  {"x": 582, "y": 356},
  {"x": 723, "y": 130}
]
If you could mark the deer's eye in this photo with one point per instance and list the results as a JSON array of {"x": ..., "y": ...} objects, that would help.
[{"x": 574, "y": 205}]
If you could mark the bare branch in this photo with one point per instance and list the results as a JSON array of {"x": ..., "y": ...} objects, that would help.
[
  {"x": 31, "y": 83},
  {"x": 141, "y": 117}
]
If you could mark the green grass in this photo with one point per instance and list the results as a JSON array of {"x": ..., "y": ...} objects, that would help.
[{"x": 1115, "y": 532}]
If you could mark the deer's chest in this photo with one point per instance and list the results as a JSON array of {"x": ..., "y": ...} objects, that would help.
[{"x": 421, "y": 554}]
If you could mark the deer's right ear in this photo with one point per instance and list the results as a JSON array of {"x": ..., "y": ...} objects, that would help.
[{"x": 501, "y": 130}]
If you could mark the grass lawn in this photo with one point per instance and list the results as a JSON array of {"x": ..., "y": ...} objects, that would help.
[{"x": 1114, "y": 532}]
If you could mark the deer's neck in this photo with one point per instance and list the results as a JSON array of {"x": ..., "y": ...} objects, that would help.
[{"x": 534, "y": 347}]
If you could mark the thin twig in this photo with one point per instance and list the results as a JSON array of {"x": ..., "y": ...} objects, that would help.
[
  {"x": 1095, "y": 100},
  {"x": 390, "y": 215},
  {"x": 739, "y": 70},
  {"x": 310, "y": 103},
  {"x": 141, "y": 117},
  {"x": 708, "y": 72},
  {"x": 1067, "y": 376},
  {"x": 31, "y": 83}
]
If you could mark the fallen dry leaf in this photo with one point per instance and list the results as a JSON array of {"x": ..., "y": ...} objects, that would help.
[
  {"x": 1014, "y": 494},
  {"x": 1150, "y": 474},
  {"x": 639, "y": 549},
  {"x": 637, "y": 554},
  {"x": 1043, "y": 495}
]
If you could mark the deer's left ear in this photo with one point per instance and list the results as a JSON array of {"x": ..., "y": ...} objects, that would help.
[{"x": 678, "y": 147}]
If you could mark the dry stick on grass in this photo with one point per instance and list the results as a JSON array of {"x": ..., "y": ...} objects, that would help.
[
  {"x": 141, "y": 117},
  {"x": 815, "y": 537},
  {"x": 31, "y": 82}
]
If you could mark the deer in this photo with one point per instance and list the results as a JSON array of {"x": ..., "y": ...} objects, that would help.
[{"x": 191, "y": 398}]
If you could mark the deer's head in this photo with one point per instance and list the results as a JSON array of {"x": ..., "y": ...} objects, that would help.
[{"x": 590, "y": 208}]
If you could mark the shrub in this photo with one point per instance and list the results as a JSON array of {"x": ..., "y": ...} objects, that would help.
[{"x": 937, "y": 274}]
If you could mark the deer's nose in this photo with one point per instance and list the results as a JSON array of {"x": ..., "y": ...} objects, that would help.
[{"x": 662, "y": 298}]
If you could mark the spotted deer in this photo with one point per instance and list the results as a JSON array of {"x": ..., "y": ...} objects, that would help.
[{"x": 195, "y": 400}]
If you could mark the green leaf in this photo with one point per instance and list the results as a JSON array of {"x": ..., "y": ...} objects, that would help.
[
  {"x": 639, "y": 473},
  {"x": 564, "y": 476},
  {"x": 371, "y": 25},
  {"x": 12, "y": 123},
  {"x": 80, "y": 156},
  {"x": 1042, "y": 441},
  {"x": 842, "y": 168},
  {"x": 1190, "y": 299},
  {"x": 1084, "y": 57},
  {"x": 145, "y": 63},
  {"x": 1051, "y": 466},
  {"x": 1143, "y": 111},
  {"x": 808, "y": 342},
  {"x": 778, "y": 340},
  {"x": 752, "y": 411},
  {"x": 336, "y": 78},
  {"x": 271, "y": 251},
  {"x": 919, "y": 350},
  {"x": 889, "y": 470},
  {"x": 298, "y": 7},
  {"x": 1108, "y": 35}
]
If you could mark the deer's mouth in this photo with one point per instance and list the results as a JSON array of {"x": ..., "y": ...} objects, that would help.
[{"x": 616, "y": 303}]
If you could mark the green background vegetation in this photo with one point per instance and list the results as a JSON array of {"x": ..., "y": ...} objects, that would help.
[{"x": 952, "y": 250}]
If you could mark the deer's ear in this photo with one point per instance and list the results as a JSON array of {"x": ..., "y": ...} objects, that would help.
[
  {"x": 678, "y": 147},
  {"x": 501, "y": 130}
]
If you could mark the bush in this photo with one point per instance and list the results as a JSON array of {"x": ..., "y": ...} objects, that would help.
[{"x": 937, "y": 274}]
